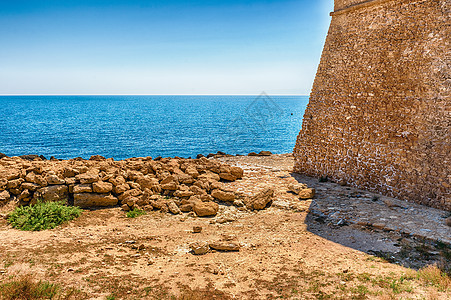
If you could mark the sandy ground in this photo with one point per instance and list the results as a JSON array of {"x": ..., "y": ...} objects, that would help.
[{"x": 288, "y": 251}]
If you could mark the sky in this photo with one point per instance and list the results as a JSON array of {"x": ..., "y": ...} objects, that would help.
[{"x": 131, "y": 47}]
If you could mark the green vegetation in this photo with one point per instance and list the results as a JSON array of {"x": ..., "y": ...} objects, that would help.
[
  {"x": 135, "y": 213},
  {"x": 26, "y": 288},
  {"x": 42, "y": 216}
]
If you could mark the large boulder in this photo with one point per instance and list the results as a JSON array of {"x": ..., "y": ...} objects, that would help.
[
  {"x": 85, "y": 200},
  {"x": 52, "y": 193}
]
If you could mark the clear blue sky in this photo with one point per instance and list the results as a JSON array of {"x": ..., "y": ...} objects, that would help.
[{"x": 160, "y": 47}]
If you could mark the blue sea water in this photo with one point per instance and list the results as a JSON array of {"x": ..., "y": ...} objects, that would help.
[{"x": 138, "y": 126}]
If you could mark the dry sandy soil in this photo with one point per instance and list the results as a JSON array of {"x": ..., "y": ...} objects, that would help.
[{"x": 287, "y": 251}]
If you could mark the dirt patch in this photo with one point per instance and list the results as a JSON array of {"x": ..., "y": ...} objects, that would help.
[{"x": 287, "y": 251}]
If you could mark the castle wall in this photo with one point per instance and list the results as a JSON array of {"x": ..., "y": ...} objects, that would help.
[{"x": 379, "y": 115}]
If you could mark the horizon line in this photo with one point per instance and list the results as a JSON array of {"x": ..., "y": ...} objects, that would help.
[{"x": 150, "y": 94}]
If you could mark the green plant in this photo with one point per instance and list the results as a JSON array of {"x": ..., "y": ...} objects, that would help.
[
  {"x": 135, "y": 213},
  {"x": 42, "y": 216}
]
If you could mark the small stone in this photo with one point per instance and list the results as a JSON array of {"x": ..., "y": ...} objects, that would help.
[
  {"x": 197, "y": 229},
  {"x": 306, "y": 194},
  {"x": 448, "y": 221},
  {"x": 200, "y": 248},
  {"x": 173, "y": 208},
  {"x": 225, "y": 246}
]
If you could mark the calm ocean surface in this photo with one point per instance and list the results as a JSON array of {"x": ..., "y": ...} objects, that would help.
[{"x": 135, "y": 126}]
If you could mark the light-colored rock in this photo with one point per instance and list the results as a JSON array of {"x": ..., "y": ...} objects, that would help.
[
  {"x": 82, "y": 188},
  {"x": 225, "y": 246},
  {"x": 306, "y": 194},
  {"x": 122, "y": 188},
  {"x": 173, "y": 208},
  {"x": 200, "y": 248},
  {"x": 206, "y": 209},
  {"x": 85, "y": 200},
  {"x": 223, "y": 196},
  {"x": 4, "y": 196},
  {"x": 237, "y": 172},
  {"x": 102, "y": 187},
  {"x": 52, "y": 193},
  {"x": 54, "y": 180},
  {"x": 296, "y": 187},
  {"x": 14, "y": 184},
  {"x": 30, "y": 186},
  {"x": 262, "y": 199},
  {"x": 87, "y": 178}
]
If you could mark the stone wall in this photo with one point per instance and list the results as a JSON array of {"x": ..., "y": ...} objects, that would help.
[
  {"x": 167, "y": 184},
  {"x": 379, "y": 115}
]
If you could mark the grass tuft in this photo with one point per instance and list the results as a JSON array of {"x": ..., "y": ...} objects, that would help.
[
  {"x": 42, "y": 216},
  {"x": 433, "y": 276},
  {"x": 135, "y": 213}
]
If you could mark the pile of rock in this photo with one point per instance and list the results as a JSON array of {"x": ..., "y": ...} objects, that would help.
[{"x": 169, "y": 184}]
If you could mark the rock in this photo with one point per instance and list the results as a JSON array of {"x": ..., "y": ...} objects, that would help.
[
  {"x": 125, "y": 207},
  {"x": 24, "y": 195},
  {"x": 5, "y": 196},
  {"x": 14, "y": 184},
  {"x": 82, "y": 188},
  {"x": 306, "y": 194},
  {"x": 97, "y": 158},
  {"x": 262, "y": 199},
  {"x": 102, "y": 187},
  {"x": 87, "y": 178},
  {"x": 52, "y": 193},
  {"x": 30, "y": 186},
  {"x": 296, "y": 187},
  {"x": 197, "y": 229},
  {"x": 225, "y": 246},
  {"x": 390, "y": 203},
  {"x": 238, "y": 203},
  {"x": 237, "y": 172},
  {"x": 209, "y": 176},
  {"x": 173, "y": 208},
  {"x": 448, "y": 221},
  {"x": 206, "y": 209},
  {"x": 129, "y": 193},
  {"x": 122, "y": 188},
  {"x": 30, "y": 157},
  {"x": 54, "y": 180},
  {"x": 85, "y": 200},
  {"x": 227, "y": 176},
  {"x": 223, "y": 196},
  {"x": 2, "y": 155},
  {"x": 252, "y": 154},
  {"x": 265, "y": 153},
  {"x": 200, "y": 248}
]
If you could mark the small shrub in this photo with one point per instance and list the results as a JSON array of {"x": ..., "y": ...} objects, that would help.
[
  {"x": 432, "y": 275},
  {"x": 42, "y": 216},
  {"x": 25, "y": 288},
  {"x": 135, "y": 213}
]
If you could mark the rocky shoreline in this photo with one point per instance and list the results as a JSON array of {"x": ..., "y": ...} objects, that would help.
[{"x": 174, "y": 185}]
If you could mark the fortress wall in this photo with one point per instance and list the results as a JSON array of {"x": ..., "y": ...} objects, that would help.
[{"x": 379, "y": 115}]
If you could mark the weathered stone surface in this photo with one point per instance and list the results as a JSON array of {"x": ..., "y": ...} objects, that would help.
[
  {"x": 30, "y": 186},
  {"x": 296, "y": 187},
  {"x": 52, "y": 193},
  {"x": 87, "y": 178},
  {"x": 223, "y": 196},
  {"x": 237, "y": 172},
  {"x": 173, "y": 208},
  {"x": 225, "y": 246},
  {"x": 262, "y": 199},
  {"x": 121, "y": 188},
  {"x": 264, "y": 153},
  {"x": 102, "y": 187},
  {"x": 4, "y": 196},
  {"x": 82, "y": 188},
  {"x": 306, "y": 194},
  {"x": 14, "y": 184},
  {"x": 200, "y": 248},
  {"x": 54, "y": 180},
  {"x": 378, "y": 116},
  {"x": 206, "y": 209},
  {"x": 85, "y": 200},
  {"x": 448, "y": 221}
]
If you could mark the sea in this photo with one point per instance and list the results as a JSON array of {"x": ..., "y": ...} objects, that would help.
[{"x": 140, "y": 126}]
